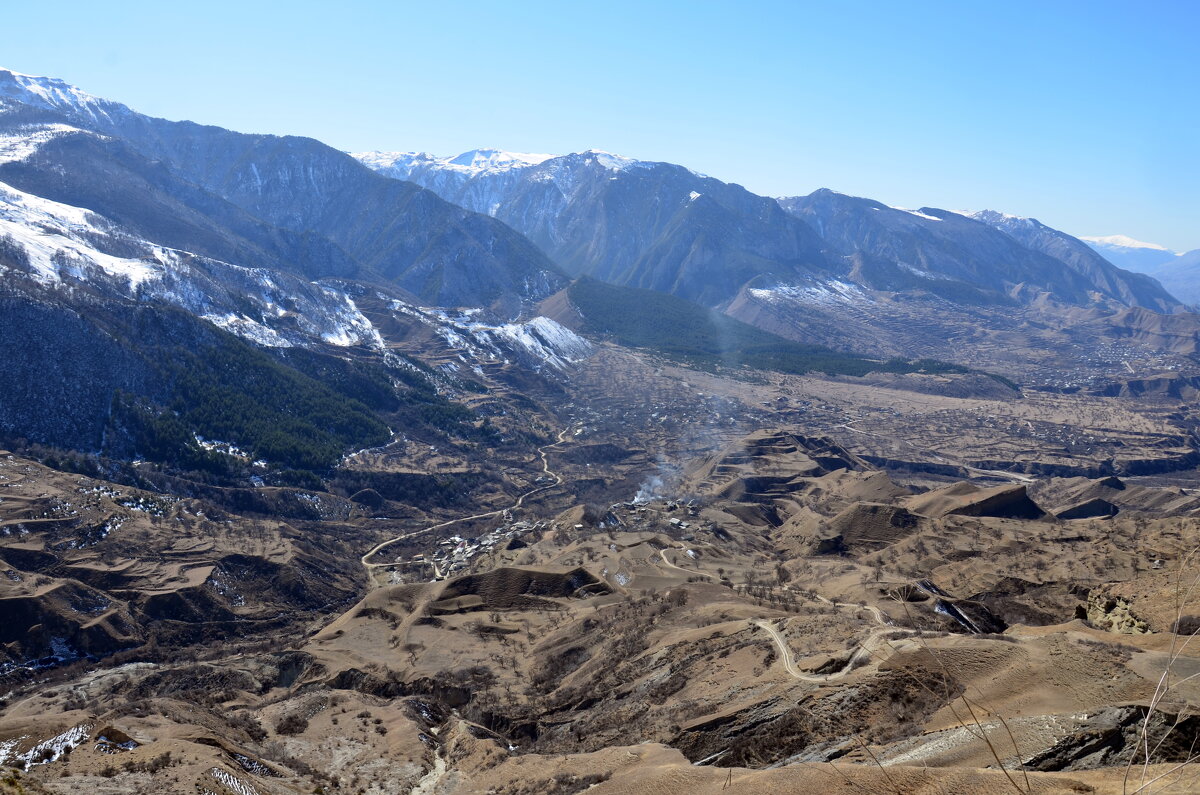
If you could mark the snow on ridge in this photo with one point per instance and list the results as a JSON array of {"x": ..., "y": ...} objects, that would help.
[
  {"x": 615, "y": 162},
  {"x": 470, "y": 163},
  {"x": 917, "y": 213},
  {"x": 481, "y": 179},
  {"x": 60, "y": 242},
  {"x": 979, "y": 215},
  {"x": 609, "y": 160},
  {"x": 1003, "y": 221},
  {"x": 53, "y": 93},
  {"x": 1122, "y": 241}
]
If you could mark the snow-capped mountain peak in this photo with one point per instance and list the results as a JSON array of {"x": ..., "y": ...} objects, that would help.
[
  {"x": 487, "y": 162},
  {"x": 1131, "y": 253},
  {"x": 385, "y": 160},
  {"x": 1123, "y": 241},
  {"x": 496, "y": 159}
]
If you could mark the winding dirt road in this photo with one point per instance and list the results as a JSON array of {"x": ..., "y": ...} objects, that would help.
[
  {"x": 558, "y": 479},
  {"x": 693, "y": 572},
  {"x": 867, "y": 647}
]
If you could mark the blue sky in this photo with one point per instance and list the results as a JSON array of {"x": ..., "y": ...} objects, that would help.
[{"x": 1083, "y": 114}]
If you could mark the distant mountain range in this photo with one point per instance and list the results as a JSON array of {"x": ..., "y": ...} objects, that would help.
[
  {"x": 1134, "y": 255},
  {"x": 633, "y": 223},
  {"x": 664, "y": 227},
  {"x": 1178, "y": 272}
]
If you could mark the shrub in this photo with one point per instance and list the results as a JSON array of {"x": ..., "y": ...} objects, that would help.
[{"x": 291, "y": 724}]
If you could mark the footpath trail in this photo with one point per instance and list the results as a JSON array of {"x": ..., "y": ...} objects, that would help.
[{"x": 558, "y": 479}]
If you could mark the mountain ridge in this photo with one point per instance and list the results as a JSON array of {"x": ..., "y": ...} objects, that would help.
[
  {"x": 547, "y": 199},
  {"x": 394, "y": 231}
]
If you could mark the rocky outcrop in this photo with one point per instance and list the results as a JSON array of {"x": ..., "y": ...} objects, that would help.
[
  {"x": 965, "y": 499},
  {"x": 1112, "y": 613},
  {"x": 1112, "y": 737}
]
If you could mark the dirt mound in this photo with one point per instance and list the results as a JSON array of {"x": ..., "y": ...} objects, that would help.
[
  {"x": 1094, "y": 508},
  {"x": 192, "y": 605},
  {"x": 868, "y": 526},
  {"x": 965, "y": 499},
  {"x": 368, "y": 497},
  {"x": 766, "y": 465},
  {"x": 513, "y": 588},
  {"x": 1070, "y": 492}
]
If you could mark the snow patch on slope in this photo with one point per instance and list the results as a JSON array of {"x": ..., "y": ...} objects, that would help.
[
  {"x": 21, "y": 145},
  {"x": 611, "y": 161},
  {"x": 543, "y": 339},
  {"x": 540, "y": 340},
  {"x": 1005, "y": 222},
  {"x": 250, "y": 329},
  {"x": 57, "y": 244},
  {"x": 917, "y": 213},
  {"x": 57, "y": 240},
  {"x": 47, "y": 750},
  {"x": 823, "y": 293}
]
